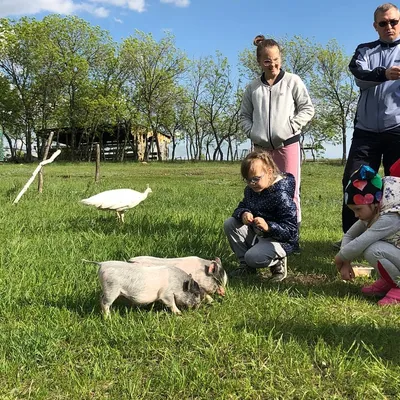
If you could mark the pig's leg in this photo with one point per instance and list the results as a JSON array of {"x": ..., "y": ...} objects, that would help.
[
  {"x": 105, "y": 308},
  {"x": 208, "y": 299},
  {"x": 107, "y": 298},
  {"x": 169, "y": 301}
]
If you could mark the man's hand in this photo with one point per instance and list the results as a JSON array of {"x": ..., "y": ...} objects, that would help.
[{"x": 393, "y": 73}]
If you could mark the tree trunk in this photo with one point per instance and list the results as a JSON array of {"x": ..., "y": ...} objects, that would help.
[
  {"x": 344, "y": 154},
  {"x": 159, "y": 155},
  {"x": 12, "y": 150},
  {"x": 173, "y": 148}
]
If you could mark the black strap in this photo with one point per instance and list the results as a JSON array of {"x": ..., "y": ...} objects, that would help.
[{"x": 293, "y": 139}]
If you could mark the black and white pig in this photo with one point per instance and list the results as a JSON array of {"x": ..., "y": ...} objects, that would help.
[
  {"x": 143, "y": 285},
  {"x": 209, "y": 274}
]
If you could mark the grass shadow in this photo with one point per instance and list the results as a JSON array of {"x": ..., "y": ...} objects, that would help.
[
  {"x": 85, "y": 305},
  {"x": 383, "y": 341}
]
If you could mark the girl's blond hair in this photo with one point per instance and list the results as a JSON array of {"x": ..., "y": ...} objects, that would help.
[{"x": 264, "y": 156}]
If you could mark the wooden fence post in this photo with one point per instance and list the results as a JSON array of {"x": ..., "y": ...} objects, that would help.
[
  {"x": 97, "y": 175},
  {"x": 45, "y": 154}
]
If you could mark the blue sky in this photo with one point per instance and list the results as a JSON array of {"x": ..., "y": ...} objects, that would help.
[{"x": 203, "y": 26}]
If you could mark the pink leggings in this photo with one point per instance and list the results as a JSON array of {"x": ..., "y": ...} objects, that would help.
[{"x": 288, "y": 159}]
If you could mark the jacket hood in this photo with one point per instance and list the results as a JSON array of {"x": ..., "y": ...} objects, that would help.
[{"x": 391, "y": 195}]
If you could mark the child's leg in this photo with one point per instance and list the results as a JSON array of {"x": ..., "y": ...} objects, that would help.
[
  {"x": 288, "y": 160},
  {"x": 385, "y": 257},
  {"x": 393, "y": 295},
  {"x": 240, "y": 237},
  {"x": 387, "y": 270},
  {"x": 389, "y": 257},
  {"x": 264, "y": 254}
]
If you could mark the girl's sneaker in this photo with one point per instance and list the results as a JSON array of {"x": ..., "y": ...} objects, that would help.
[
  {"x": 378, "y": 288},
  {"x": 392, "y": 297},
  {"x": 279, "y": 270}
]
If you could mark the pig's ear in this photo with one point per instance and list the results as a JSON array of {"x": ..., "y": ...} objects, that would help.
[
  {"x": 187, "y": 285},
  {"x": 211, "y": 268},
  {"x": 218, "y": 260}
]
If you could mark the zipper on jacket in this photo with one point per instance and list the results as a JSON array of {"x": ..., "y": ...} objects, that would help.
[{"x": 269, "y": 118}]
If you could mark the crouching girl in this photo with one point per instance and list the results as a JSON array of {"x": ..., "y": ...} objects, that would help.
[
  {"x": 263, "y": 228},
  {"x": 376, "y": 235}
]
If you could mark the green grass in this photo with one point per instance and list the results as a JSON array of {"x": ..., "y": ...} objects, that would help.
[{"x": 310, "y": 337}]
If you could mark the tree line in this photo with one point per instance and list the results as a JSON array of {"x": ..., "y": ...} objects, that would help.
[{"x": 61, "y": 72}]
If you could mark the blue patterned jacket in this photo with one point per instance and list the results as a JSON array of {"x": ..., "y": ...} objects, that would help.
[{"x": 276, "y": 205}]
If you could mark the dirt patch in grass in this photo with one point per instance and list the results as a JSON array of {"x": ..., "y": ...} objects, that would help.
[{"x": 307, "y": 280}]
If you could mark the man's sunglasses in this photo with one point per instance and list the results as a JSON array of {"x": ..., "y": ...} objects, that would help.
[{"x": 392, "y": 22}]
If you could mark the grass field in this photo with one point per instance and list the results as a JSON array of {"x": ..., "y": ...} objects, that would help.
[{"x": 310, "y": 337}]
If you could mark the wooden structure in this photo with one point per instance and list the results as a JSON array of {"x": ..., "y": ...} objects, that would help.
[{"x": 117, "y": 143}]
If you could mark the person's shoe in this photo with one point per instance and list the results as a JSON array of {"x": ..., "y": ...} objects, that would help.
[
  {"x": 243, "y": 270},
  {"x": 378, "y": 288},
  {"x": 279, "y": 270},
  {"x": 392, "y": 297},
  {"x": 336, "y": 245}
]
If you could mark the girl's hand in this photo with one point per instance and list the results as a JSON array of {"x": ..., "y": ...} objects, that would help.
[
  {"x": 247, "y": 218},
  {"x": 347, "y": 272},
  {"x": 345, "y": 269},
  {"x": 339, "y": 263},
  {"x": 261, "y": 224}
]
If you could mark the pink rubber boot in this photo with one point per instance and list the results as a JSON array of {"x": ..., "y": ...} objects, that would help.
[
  {"x": 378, "y": 288},
  {"x": 392, "y": 297}
]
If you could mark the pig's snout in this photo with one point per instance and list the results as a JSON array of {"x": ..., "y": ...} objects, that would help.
[{"x": 221, "y": 291}]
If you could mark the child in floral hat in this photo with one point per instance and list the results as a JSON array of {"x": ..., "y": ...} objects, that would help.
[{"x": 376, "y": 235}]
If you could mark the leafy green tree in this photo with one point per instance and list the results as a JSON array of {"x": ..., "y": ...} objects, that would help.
[
  {"x": 51, "y": 65},
  {"x": 175, "y": 116},
  {"x": 154, "y": 69},
  {"x": 195, "y": 128},
  {"x": 234, "y": 134},
  {"x": 10, "y": 115},
  {"x": 217, "y": 100},
  {"x": 335, "y": 93},
  {"x": 17, "y": 64},
  {"x": 214, "y": 107},
  {"x": 80, "y": 49}
]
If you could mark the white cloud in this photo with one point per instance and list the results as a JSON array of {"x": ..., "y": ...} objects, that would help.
[
  {"x": 178, "y": 3},
  {"x": 118, "y": 20},
  {"x": 135, "y": 5},
  {"x": 100, "y": 12},
  {"x": 14, "y": 8},
  {"x": 22, "y": 7}
]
